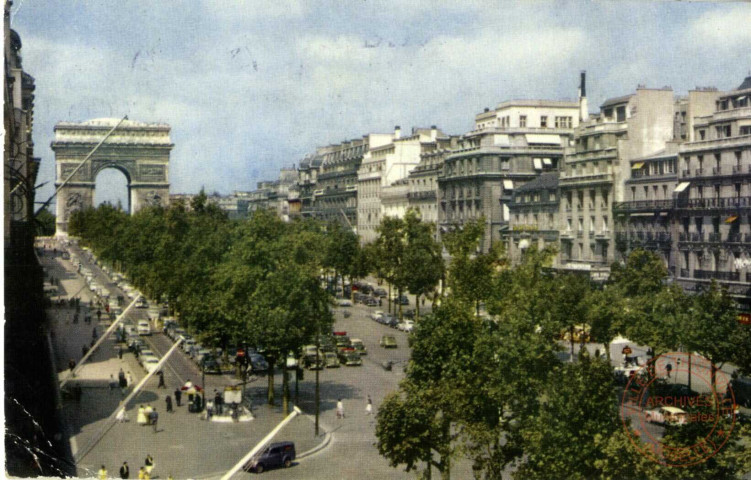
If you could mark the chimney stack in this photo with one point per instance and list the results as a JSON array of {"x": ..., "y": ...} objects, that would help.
[
  {"x": 583, "y": 105},
  {"x": 433, "y": 132},
  {"x": 397, "y": 132}
]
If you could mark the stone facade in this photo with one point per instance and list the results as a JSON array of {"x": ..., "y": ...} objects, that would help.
[{"x": 509, "y": 146}]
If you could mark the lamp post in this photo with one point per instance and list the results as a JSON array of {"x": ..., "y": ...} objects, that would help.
[{"x": 318, "y": 367}]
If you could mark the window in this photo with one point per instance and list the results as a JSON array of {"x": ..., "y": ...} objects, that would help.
[
  {"x": 620, "y": 114},
  {"x": 543, "y": 121},
  {"x": 738, "y": 159},
  {"x": 723, "y": 131},
  {"x": 737, "y": 190},
  {"x": 702, "y": 134},
  {"x": 522, "y": 120},
  {"x": 581, "y": 224},
  {"x": 591, "y": 224},
  {"x": 745, "y": 130},
  {"x": 699, "y": 192},
  {"x": 633, "y": 193},
  {"x": 608, "y": 112},
  {"x": 551, "y": 197},
  {"x": 717, "y": 192},
  {"x": 505, "y": 164},
  {"x": 604, "y": 224},
  {"x": 568, "y": 224},
  {"x": 563, "y": 122}
]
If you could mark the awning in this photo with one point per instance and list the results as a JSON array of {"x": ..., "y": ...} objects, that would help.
[
  {"x": 637, "y": 165},
  {"x": 508, "y": 184},
  {"x": 547, "y": 139},
  {"x": 538, "y": 163},
  {"x": 681, "y": 187},
  {"x": 547, "y": 162},
  {"x": 731, "y": 219}
]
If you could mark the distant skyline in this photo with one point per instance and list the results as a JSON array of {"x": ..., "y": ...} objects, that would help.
[{"x": 251, "y": 87}]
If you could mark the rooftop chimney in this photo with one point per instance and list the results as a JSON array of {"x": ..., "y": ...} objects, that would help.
[
  {"x": 487, "y": 109},
  {"x": 583, "y": 105},
  {"x": 433, "y": 132},
  {"x": 397, "y": 132}
]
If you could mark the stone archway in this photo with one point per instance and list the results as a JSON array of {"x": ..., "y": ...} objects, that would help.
[{"x": 139, "y": 150}]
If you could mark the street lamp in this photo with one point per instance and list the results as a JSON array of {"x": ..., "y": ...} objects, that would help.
[{"x": 318, "y": 366}]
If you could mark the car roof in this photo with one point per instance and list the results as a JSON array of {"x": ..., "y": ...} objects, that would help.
[{"x": 673, "y": 410}]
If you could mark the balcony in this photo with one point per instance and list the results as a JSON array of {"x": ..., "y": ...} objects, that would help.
[
  {"x": 716, "y": 170},
  {"x": 711, "y": 274},
  {"x": 643, "y": 206},
  {"x": 699, "y": 172},
  {"x": 567, "y": 235},
  {"x": 421, "y": 195},
  {"x": 603, "y": 235},
  {"x": 713, "y": 203},
  {"x": 735, "y": 237}
]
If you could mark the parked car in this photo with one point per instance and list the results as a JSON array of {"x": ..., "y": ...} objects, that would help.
[
  {"x": 351, "y": 358},
  {"x": 388, "y": 341},
  {"x": 211, "y": 365},
  {"x": 380, "y": 292},
  {"x": 402, "y": 300},
  {"x": 390, "y": 320},
  {"x": 150, "y": 364},
  {"x": 142, "y": 303},
  {"x": 376, "y": 315},
  {"x": 406, "y": 326},
  {"x": 188, "y": 343},
  {"x": 279, "y": 454},
  {"x": 143, "y": 327},
  {"x": 371, "y": 302},
  {"x": 344, "y": 302},
  {"x": 359, "y": 346},
  {"x": 291, "y": 361},
  {"x": 331, "y": 360},
  {"x": 313, "y": 362}
]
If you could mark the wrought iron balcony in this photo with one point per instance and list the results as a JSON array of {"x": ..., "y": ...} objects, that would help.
[
  {"x": 644, "y": 205},
  {"x": 714, "y": 203},
  {"x": 711, "y": 274},
  {"x": 735, "y": 237}
]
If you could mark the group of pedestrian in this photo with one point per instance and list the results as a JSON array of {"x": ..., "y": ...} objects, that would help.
[
  {"x": 147, "y": 415},
  {"x": 340, "y": 408},
  {"x": 144, "y": 473}
]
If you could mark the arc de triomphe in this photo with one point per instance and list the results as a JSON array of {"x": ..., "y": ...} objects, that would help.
[{"x": 139, "y": 150}]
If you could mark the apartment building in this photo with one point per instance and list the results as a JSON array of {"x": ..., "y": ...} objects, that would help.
[
  {"x": 596, "y": 168},
  {"x": 713, "y": 202},
  {"x": 509, "y": 146},
  {"x": 335, "y": 194},
  {"x": 423, "y": 180},
  {"x": 533, "y": 213},
  {"x": 390, "y": 158}
]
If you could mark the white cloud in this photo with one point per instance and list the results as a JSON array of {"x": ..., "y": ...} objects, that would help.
[{"x": 725, "y": 28}]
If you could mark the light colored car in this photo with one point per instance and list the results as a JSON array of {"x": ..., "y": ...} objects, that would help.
[
  {"x": 291, "y": 361},
  {"x": 143, "y": 327},
  {"x": 150, "y": 364},
  {"x": 665, "y": 415},
  {"x": 378, "y": 314},
  {"x": 187, "y": 344},
  {"x": 344, "y": 302},
  {"x": 331, "y": 360},
  {"x": 359, "y": 346},
  {"x": 406, "y": 325},
  {"x": 388, "y": 341}
]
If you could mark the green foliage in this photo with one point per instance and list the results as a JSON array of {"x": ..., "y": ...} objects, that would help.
[{"x": 45, "y": 223}]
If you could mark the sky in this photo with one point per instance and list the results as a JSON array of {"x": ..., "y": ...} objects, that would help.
[{"x": 249, "y": 87}]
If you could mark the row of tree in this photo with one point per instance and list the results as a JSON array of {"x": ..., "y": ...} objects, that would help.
[{"x": 493, "y": 389}]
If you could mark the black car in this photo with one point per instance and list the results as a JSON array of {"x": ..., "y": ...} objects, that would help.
[
  {"x": 211, "y": 365},
  {"x": 279, "y": 454},
  {"x": 380, "y": 292},
  {"x": 371, "y": 302}
]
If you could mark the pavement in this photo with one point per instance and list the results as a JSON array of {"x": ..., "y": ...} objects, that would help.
[{"x": 183, "y": 446}]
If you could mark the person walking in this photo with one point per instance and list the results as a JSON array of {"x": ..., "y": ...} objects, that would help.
[
  {"x": 218, "y": 402},
  {"x": 125, "y": 471},
  {"x": 102, "y": 473},
  {"x": 120, "y": 352},
  {"x": 178, "y": 396},
  {"x": 141, "y": 473},
  {"x": 339, "y": 409},
  {"x": 71, "y": 365},
  {"x": 149, "y": 463},
  {"x": 161, "y": 380},
  {"x": 168, "y": 401},
  {"x": 153, "y": 419},
  {"x": 113, "y": 383},
  {"x": 369, "y": 407},
  {"x": 130, "y": 379}
]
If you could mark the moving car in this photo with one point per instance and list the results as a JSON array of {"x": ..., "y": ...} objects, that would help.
[
  {"x": 667, "y": 415},
  {"x": 257, "y": 363},
  {"x": 150, "y": 363},
  {"x": 388, "y": 341},
  {"x": 279, "y": 454},
  {"x": 350, "y": 357}
]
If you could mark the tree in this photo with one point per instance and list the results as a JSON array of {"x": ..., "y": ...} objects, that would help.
[
  {"x": 45, "y": 223},
  {"x": 389, "y": 250},
  {"x": 568, "y": 304},
  {"x": 423, "y": 263}
]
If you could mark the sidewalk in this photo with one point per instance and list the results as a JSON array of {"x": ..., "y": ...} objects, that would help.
[{"x": 184, "y": 445}]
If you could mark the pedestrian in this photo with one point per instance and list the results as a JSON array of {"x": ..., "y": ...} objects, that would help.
[
  {"x": 130, "y": 380},
  {"x": 125, "y": 471},
  {"x": 668, "y": 368},
  {"x": 178, "y": 396},
  {"x": 121, "y": 416},
  {"x": 218, "y": 401},
  {"x": 209, "y": 409},
  {"x": 93, "y": 333},
  {"x": 75, "y": 317},
  {"x": 168, "y": 401},
  {"x": 339, "y": 409},
  {"x": 113, "y": 383},
  {"x": 120, "y": 352},
  {"x": 84, "y": 350},
  {"x": 154, "y": 417},
  {"x": 71, "y": 365},
  {"x": 99, "y": 314},
  {"x": 141, "y": 473},
  {"x": 161, "y": 380},
  {"x": 369, "y": 407},
  {"x": 102, "y": 473},
  {"x": 149, "y": 462}
]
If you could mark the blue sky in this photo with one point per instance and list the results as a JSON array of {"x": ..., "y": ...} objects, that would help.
[{"x": 250, "y": 87}]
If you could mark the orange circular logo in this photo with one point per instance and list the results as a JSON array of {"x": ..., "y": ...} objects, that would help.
[{"x": 655, "y": 403}]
